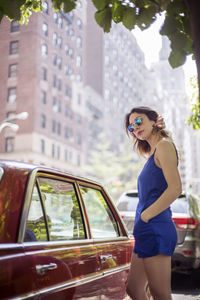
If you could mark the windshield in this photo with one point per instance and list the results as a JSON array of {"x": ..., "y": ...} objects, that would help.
[
  {"x": 128, "y": 203},
  {"x": 180, "y": 205}
]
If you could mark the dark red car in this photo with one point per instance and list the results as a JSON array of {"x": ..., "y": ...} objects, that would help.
[{"x": 60, "y": 237}]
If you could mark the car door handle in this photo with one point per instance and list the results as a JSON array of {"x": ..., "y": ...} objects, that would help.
[
  {"x": 41, "y": 269},
  {"x": 103, "y": 258}
]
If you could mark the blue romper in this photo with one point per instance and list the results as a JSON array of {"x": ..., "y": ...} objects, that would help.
[{"x": 159, "y": 235}]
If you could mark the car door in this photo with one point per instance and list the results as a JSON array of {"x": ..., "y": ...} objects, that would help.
[
  {"x": 61, "y": 258},
  {"x": 113, "y": 246}
]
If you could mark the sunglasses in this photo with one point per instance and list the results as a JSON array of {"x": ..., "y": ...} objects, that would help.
[{"x": 137, "y": 122}]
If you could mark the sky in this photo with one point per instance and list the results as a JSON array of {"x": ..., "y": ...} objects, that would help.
[{"x": 150, "y": 42}]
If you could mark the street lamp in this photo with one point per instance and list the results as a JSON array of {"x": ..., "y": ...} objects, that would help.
[
  {"x": 21, "y": 116},
  {"x": 15, "y": 127}
]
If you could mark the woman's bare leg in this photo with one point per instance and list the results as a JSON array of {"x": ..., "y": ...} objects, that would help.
[
  {"x": 137, "y": 280},
  {"x": 158, "y": 270}
]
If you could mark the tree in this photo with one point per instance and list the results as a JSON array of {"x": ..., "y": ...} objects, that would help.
[
  {"x": 116, "y": 172},
  {"x": 181, "y": 24}
]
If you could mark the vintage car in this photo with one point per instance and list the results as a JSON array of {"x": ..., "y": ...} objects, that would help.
[{"x": 60, "y": 237}]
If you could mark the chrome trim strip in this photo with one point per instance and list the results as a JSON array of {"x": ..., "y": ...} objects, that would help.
[
  {"x": 1, "y": 173},
  {"x": 73, "y": 283}
]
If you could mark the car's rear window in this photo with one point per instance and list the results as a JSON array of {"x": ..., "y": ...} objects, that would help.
[
  {"x": 1, "y": 173},
  {"x": 180, "y": 206},
  {"x": 129, "y": 203}
]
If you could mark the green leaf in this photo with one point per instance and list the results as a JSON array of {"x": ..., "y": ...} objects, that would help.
[
  {"x": 100, "y": 4},
  {"x": 177, "y": 58},
  {"x": 117, "y": 12},
  {"x": 146, "y": 16},
  {"x": 129, "y": 18},
  {"x": 104, "y": 18},
  {"x": 69, "y": 5},
  {"x": 170, "y": 26}
]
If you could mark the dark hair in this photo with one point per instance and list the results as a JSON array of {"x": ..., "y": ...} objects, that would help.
[{"x": 143, "y": 146}]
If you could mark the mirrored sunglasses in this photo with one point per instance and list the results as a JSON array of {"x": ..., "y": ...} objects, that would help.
[{"x": 137, "y": 122}]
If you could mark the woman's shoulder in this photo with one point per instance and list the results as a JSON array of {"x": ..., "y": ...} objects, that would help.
[{"x": 165, "y": 146}]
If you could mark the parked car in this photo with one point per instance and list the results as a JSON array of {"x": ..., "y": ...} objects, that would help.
[
  {"x": 186, "y": 216},
  {"x": 61, "y": 237}
]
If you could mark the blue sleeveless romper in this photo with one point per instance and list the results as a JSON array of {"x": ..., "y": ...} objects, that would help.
[{"x": 159, "y": 235}]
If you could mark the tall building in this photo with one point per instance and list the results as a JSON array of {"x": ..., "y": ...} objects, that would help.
[
  {"x": 72, "y": 79},
  {"x": 174, "y": 103},
  {"x": 40, "y": 62}
]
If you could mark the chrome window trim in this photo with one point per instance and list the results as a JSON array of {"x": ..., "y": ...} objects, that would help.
[
  {"x": 1, "y": 173},
  {"x": 74, "y": 283}
]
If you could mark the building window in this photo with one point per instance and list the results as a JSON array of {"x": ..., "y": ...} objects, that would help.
[
  {"x": 60, "y": 42},
  {"x": 55, "y": 17},
  {"x": 9, "y": 144},
  {"x": 44, "y": 50},
  {"x": 66, "y": 155},
  {"x": 78, "y": 61},
  {"x": 79, "y": 23},
  {"x": 53, "y": 126},
  {"x": 71, "y": 52},
  {"x": 45, "y": 7},
  {"x": 44, "y": 73},
  {"x": 59, "y": 62},
  {"x": 79, "y": 119},
  {"x": 79, "y": 140},
  {"x": 14, "y": 47},
  {"x": 68, "y": 91},
  {"x": 12, "y": 70},
  {"x": 44, "y": 97},
  {"x": 45, "y": 29},
  {"x": 79, "y": 42},
  {"x": 79, "y": 99},
  {"x": 60, "y": 22},
  {"x": 59, "y": 106},
  {"x": 55, "y": 59},
  {"x": 59, "y": 84},
  {"x": 54, "y": 81},
  {"x": 14, "y": 26},
  {"x": 59, "y": 129},
  {"x": 12, "y": 95},
  {"x": 53, "y": 150},
  {"x": 43, "y": 121},
  {"x": 58, "y": 152},
  {"x": 79, "y": 77},
  {"x": 42, "y": 145},
  {"x": 55, "y": 37},
  {"x": 71, "y": 33},
  {"x": 66, "y": 49}
]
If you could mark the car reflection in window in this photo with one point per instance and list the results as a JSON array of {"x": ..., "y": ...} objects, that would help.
[{"x": 62, "y": 219}]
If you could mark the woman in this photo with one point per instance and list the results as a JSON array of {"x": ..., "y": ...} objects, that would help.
[{"x": 159, "y": 185}]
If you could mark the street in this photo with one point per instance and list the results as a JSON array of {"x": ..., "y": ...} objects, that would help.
[{"x": 186, "y": 287}]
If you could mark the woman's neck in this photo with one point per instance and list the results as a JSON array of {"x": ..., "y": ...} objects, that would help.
[{"x": 153, "y": 141}]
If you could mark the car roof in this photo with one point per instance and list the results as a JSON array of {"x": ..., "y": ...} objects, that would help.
[{"x": 29, "y": 167}]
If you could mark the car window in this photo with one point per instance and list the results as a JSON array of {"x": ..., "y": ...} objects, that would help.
[
  {"x": 179, "y": 206},
  {"x": 128, "y": 203},
  {"x": 35, "y": 225},
  {"x": 101, "y": 219},
  {"x": 62, "y": 208}
]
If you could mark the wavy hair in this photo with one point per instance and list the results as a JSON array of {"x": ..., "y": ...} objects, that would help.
[{"x": 143, "y": 146}]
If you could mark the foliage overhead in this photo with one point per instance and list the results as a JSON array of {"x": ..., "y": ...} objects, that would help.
[
  {"x": 130, "y": 13},
  {"x": 194, "y": 118},
  {"x": 181, "y": 24}
]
